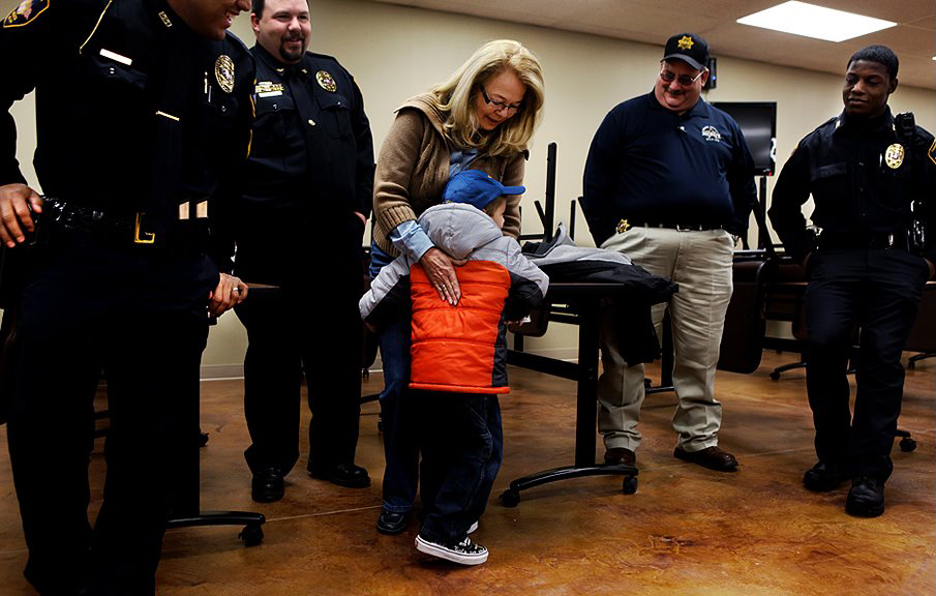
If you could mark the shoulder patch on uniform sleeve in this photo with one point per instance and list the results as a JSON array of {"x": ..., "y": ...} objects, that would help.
[
  {"x": 932, "y": 152},
  {"x": 25, "y": 13}
]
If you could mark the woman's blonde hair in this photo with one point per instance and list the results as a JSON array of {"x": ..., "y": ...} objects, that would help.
[{"x": 457, "y": 99}]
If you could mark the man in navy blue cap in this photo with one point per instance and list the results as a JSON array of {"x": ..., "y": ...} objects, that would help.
[{"x": 669, "y": 181}]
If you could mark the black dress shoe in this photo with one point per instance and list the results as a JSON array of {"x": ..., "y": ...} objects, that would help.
[
  {"x": 620, "y": 456},
  {"x": 712, "y": 458},
  {"x": 267, "y": 487},
  {"x": 392, "y": 523},
  {"x": 865, "y": 498},
  {"x": 346, "y": 474},
  {"x": 824, "y": 477}
]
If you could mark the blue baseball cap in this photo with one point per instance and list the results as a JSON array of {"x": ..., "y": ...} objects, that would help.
[{"x": 476, "y": 188}]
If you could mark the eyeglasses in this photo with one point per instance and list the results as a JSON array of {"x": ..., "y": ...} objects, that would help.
[
  {"x": 500, "y": 106},
  {"x": 684, "y": 80}
]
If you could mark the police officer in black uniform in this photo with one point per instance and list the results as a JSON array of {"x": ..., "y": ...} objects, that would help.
[
  {"x": 872, "y": 178},
  {"x": 310, "y": 177},
  {"x": 143, "y": 110}
]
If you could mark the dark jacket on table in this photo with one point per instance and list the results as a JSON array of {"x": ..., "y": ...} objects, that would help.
[
  {"x": 857, "y": 190},
  {"x": 563, "y": 261}
]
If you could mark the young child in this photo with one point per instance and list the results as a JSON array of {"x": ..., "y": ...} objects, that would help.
[{"x": 459, "y": 354}]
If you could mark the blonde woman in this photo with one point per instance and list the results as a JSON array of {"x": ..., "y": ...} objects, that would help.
[{"x": 482, "y": 118}]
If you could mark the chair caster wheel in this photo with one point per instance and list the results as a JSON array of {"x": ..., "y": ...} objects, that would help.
[
  {"x": 629, "y": 486},
  {"x": 907, "y": 445},
  {"x": 252, "y": 535},
  {"x": 510, "y": 498}
]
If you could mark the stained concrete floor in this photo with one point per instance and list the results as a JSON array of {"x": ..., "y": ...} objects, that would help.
[{"x": 686, "y": 531}]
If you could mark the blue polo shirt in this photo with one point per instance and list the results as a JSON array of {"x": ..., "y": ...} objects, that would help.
[{"x": 650, "y": 165}]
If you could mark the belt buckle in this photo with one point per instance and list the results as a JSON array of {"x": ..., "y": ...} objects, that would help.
[{"x": 148, "y": 237}]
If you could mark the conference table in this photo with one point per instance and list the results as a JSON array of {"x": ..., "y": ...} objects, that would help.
[{"x": 577, "y": 303}]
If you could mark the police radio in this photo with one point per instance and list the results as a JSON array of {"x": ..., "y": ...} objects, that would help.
[{"x": 905, "y": 126}]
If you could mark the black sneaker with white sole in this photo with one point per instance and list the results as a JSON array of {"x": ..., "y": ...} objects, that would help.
[{"x": 465, "y": 552}]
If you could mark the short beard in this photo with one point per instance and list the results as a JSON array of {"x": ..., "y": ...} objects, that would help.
[{"x": 291, "y": 57}]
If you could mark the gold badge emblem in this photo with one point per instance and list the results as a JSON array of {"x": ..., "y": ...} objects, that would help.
[
  {"x": 326, "y": 81},
  {"x": 25, "y": 13},
  {"x": 894, "y": 156},
  {"x": 623, "y": 226},
  {"x": 685, "y": 43},
  {"x": 224, "y": 73}
]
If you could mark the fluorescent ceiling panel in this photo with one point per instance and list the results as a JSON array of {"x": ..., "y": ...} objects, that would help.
[{"x": 800, "y": 18}]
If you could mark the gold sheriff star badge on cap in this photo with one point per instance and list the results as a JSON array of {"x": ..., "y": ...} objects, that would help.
[{"x": 685, "y": 43}]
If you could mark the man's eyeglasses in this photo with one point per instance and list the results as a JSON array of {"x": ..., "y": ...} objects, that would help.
[
  {"x": 499, "y": 105},
  {"x": 684, "y": 80}
]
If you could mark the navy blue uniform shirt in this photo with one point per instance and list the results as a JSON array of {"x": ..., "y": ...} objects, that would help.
[
  {"x": 134, "y": 110},
  {"x": 311, "y": 167},
  {"x": 856, "y": 189},
  {"x": 648, "y": 164}
]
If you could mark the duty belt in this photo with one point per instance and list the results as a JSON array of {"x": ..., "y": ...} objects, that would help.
[
  {"x": 625, "y": 225},
  {"x": 898, "y": 240},
  {"x": 57, "y": 213}
]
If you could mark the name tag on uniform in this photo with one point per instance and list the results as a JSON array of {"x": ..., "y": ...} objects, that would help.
[
  {"x": 269, "y": 89},
  {"x": 116, "y": 57}
]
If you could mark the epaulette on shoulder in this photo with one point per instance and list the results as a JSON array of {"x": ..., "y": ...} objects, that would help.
[
  {"x": 326, "y": 61},
  {"x": 833, "y": 122},
  {"x": 236, "y": 42},
  {"x": 322, "y": 56}
]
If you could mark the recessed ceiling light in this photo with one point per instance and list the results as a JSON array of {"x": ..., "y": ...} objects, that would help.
[{"x": 819, "y": 22}]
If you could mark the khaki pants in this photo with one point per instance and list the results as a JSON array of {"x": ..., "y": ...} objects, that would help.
[{"x": 701, "y": 263}]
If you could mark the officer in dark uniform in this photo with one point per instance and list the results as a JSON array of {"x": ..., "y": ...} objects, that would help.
[
  {"x": 872, "y": 178},
  {"x": 310, "y": 177},
  {"x": 143, "y": 110}
]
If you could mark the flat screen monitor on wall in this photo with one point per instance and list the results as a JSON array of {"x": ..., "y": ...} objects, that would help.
[{"x": 758, "y": 122}]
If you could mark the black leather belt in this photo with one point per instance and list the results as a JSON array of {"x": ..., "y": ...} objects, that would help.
[
  {"x": 57, "y": 213},
  {"x": 899, "y": 240},
  {"x": 129, "y": 229},
  {"x": 680, "y": 227}
]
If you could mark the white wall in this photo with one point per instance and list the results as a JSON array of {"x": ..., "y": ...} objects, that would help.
[{"x": 395, "y": 52}]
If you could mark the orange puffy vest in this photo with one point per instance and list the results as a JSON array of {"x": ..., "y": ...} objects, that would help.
[{"x": 460, "y": 348}]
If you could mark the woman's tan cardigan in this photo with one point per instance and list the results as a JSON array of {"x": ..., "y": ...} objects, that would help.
[{"x": 413, "y": 169}]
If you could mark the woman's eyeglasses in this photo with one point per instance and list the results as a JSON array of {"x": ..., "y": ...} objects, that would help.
[{"x": 499, "y": 105}]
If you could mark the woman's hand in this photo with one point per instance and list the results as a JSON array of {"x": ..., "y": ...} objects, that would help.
[
  {"x": 230, "y": 292},
  {"x": 441, "y": 271}
]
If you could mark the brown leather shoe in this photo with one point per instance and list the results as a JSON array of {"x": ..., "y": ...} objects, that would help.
[
  {"x": 620, "y": 456},
  {"x": 712, "y": 458}
]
